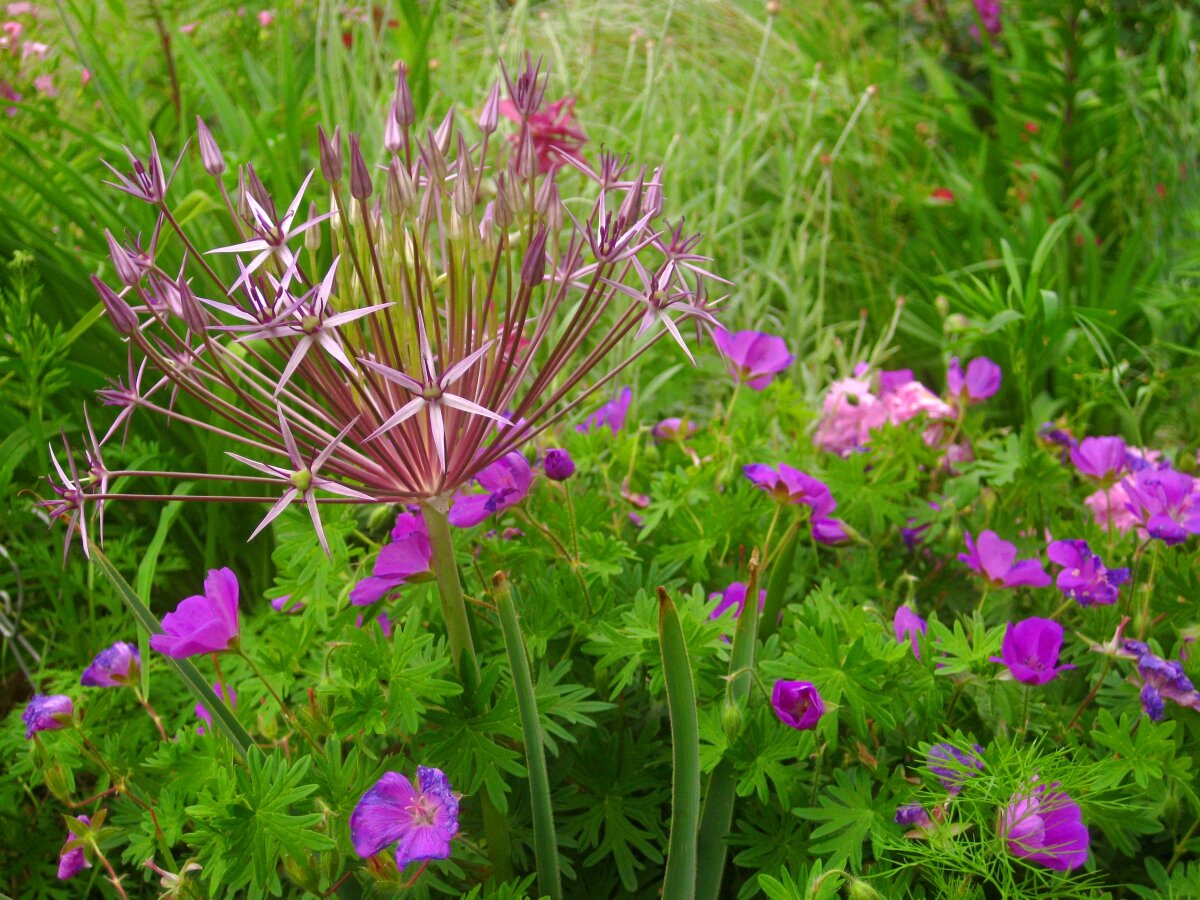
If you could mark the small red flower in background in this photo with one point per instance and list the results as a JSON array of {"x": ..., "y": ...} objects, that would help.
[{"x": 942, "y": 195}]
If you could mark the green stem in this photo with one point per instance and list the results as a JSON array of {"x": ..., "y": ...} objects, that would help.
[
  {"x": 454, "y": 606},
  {"x": 783, "y": 560},
  {"x": 283, "y": 707},
  {"x": 545, "y": 841},
  {"x": 679, "y": 882}
]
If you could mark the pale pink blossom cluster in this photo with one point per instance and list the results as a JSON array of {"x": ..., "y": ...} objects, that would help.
[
  {"x": 21, "y": 57},
  {"x": 867, "y": 400}
]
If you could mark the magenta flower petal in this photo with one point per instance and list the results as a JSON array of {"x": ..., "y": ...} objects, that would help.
[
  {"x": 996, "y": 559},
  {"x": 980, "y": 381},
  {"x": 506, "y": 482},
  {"x": 397, "y": 562},
  {"x": 906, "y": 625},
  {"x": 205, "y": 623},
  {"x": 754, "y": 358},
  {"x": 1099, "y": 458},
  {"x": 733, "y": 597},
  {"x": 611, "y": 415}
]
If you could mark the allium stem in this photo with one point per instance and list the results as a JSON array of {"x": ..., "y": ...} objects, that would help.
[{"x": 454, "y": 607}]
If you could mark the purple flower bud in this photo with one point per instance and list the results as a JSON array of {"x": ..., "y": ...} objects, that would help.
[
  {"x": 72, "y": 862},
  {"x": 120, "y": 313},
  {"x": 831, "y": 532},
  {"x": 798, "y": 704},
  {"x": 491, "y": 109},
  {"x": 906, "y": 625},
  {"x": 393, "y": 137},
  {"x": 360, "y": 177},
  {"x": 116, "y": 666},
  {"x": 533, "y": 268},
  {"x": 331, "y": 154},
  {"x": 403, "y": 102},
  {"x": 652, "y": 200},
  {"x": 673, "y": 429},
  {"x": 190, "y": 309},
  {"x": 954, "y": 766},
  {"x": 129, "y": 266},
  {"x": 913, "y": 814},
  {"x": 1152, "y": 702},
  {"x": 204, "y": 714},
  {"x": 47, "y": 713},
  {"x": 210, "y": 154},
  {"x": 558, "y": 465}
]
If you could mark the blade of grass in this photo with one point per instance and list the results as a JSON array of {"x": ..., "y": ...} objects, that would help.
[
  {"x": 717, "y": 815},
  {"x": 679, "y": 882},
  {"x": 223, "y": 718},
  {"x": 785, "y": 559},
  {"x": 545, "y": 840}
]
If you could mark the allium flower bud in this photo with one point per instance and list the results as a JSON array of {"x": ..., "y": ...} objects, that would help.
[
  {"x": 526, "y": 161},
  {"x": 190, "y": 310},
  {"x": 652, "y": 200},
  {"x": 331, "y": 154},
  {"x": 243, "y": 208},
  {"x": 120, "y": 313},
  {"x": 402, "y": 105},
  {"x": 210, "y": 153},
  {"x": 129, "y": 268},
  {"x": 360, "y": 177},
  {"x": 558, "y": 465},
  {"x": 631, "y": 207},
  {"x": 393, "y": 137},
  {"x": 433, "y": 158},
  {"x": 554, "y": 210},
  {"x": 312, "y": 237},
  {"x": 533, "y": 269},
  {"x": 400, "y": 192},
  {"x": 504, "y": 210},
  {"x": 491, "y": 110}
]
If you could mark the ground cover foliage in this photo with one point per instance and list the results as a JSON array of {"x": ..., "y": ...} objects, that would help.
[{"x": 959, "y": 338}]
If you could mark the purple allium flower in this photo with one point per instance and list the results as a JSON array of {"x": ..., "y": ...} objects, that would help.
[
  {"x": 1030, "y": 650},
  {"x": 673, "y": 429},
  {"x": 798, "y": 704},
  {"x": 980, "y": 381},
  {"x": 906, "y": 625},
  {"x": 73, "y": 861},
  {"x": 116, "y": 666},
  {"x": 1101, "y": 459},
  {"x": 788, "y": 485},
  {"x": 285, "y": 605},
  {"x": 202, "y": 711},
  {"x": 420, "y": 821},
  {"x": 954, "y": 766},
  {"x": 733, "y": 597},
  {"x": 558, "y": 465},
  {"x": 831, "y": 532},
  {"x": 398, "y": 401},
  {"x": 1164, "y": 680},
  {"x": 1084, "y": 577},
  {"x": 409, "y": 554},
  {"x": 611, "y": 414},
  {"x": 753, "y": 358},
  {"x": 1045, "y": 826},
  {"x": 205, "y": 623},
  {"x": 996, "y": 560},
  {"x": 47, "y": 713},
  {"x": 506, "y": 483},
  {"x": 1165, "y": 503},
  {"x": 913, "y": 814}
]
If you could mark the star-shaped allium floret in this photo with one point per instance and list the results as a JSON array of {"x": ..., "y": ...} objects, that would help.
[
  {"x": 678, "y": 251},
  {"x": 259, "y": 309},
  {"x": 69, "y": 503},
  {"x": 432, "y": 392},
  {"x": 303, "y": 479},
  {"x": 308, "y": 319},
  {"x": 272, "y": 237},
  {"x": 659, "y": 304},
  {"x": 147, "y": 183}
]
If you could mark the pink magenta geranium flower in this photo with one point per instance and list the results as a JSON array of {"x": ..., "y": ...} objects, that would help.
[
  {"x": 1030, "y": 650},
  {"x": 421, "y": 821},
  {"x": 733, "y": 597},
  {"x": 979, "y": 382},
  {"x": 1045, "y": 826},
  {"x": 505, "y": 482},
  {"x": 996, "y": 560},
  {"x": 1101, "y": 459},
  {"x": 205, "y": 623},
  {"x": 1165, "y": 503},
  {"x": 612, "y": 414},
  {"x": 906, "y": 625},
  {"x": 798, "y": 704},
  {"x": 72, "y": 861},
  {"x": 788, "y": 485},
  {"x": 408, "y": 555},
  {"x": 753, "y": 358}
]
